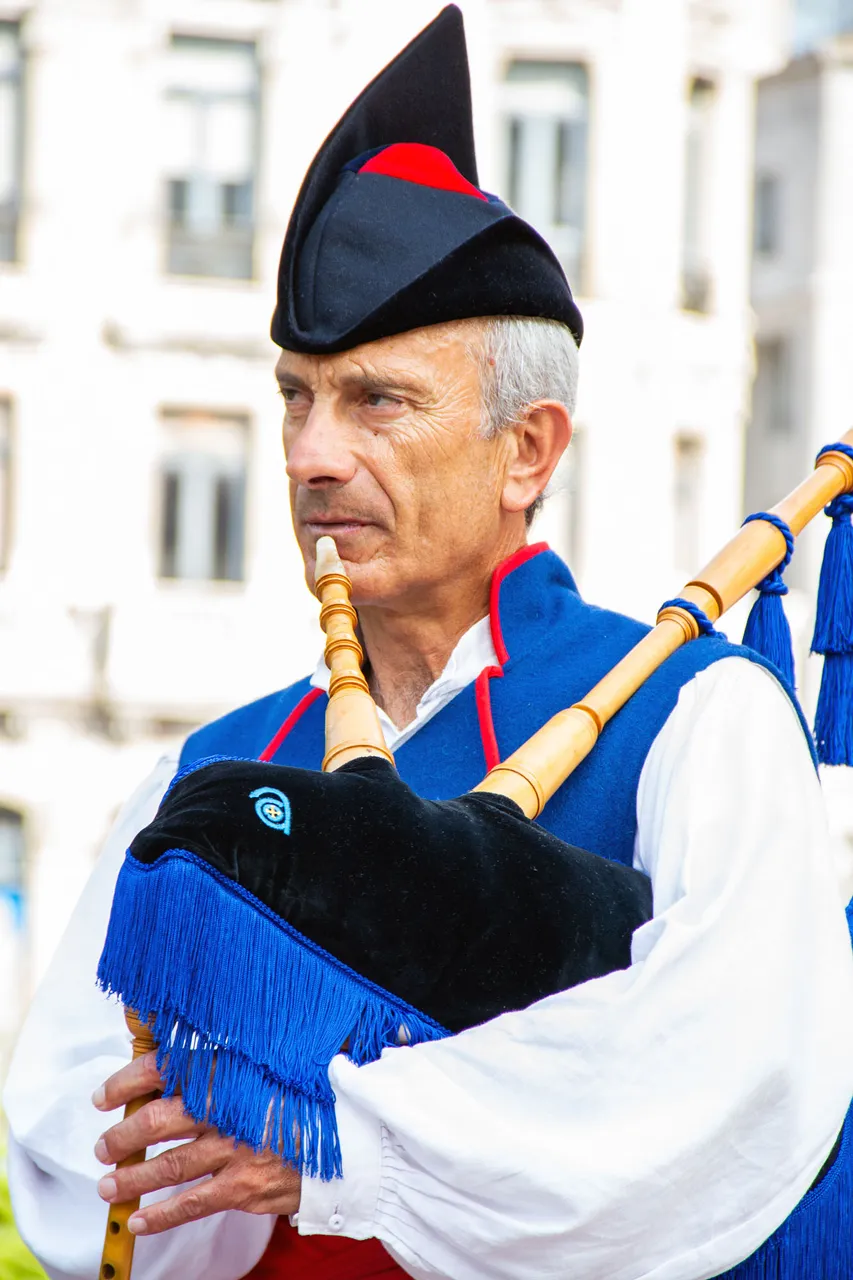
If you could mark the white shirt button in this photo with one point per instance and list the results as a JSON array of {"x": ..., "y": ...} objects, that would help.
[{"x": 336, "y": 1222}]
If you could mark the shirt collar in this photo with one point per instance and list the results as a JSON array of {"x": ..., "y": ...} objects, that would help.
[{"x": 474, "y": 651}]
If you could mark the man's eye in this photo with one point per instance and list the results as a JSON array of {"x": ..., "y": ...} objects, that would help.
[
  {"x": 291, "y": 396},
  {"x": 377, "y": 400}
]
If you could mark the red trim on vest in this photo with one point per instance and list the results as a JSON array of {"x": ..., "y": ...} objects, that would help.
[
  {"x": 482, "y": 694},
  {"x": 296, "y": 714},
  {"x": 290, "y": 1256},
  {"x": 482, "y": 689},
  {"x": 424, "y": 165},
  {"x": 503, "y": 571}
]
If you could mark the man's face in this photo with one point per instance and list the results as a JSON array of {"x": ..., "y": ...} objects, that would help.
[{"x": 385, "y": 453}]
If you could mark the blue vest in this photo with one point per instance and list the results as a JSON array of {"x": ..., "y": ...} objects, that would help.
[{"x": 552, "y": 647}]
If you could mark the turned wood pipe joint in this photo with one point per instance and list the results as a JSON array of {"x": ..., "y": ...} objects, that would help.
[
  {"x": 685, "y": 620},
  {"x": 353, "y": 729},
  {"x": 842, "y": 462}
]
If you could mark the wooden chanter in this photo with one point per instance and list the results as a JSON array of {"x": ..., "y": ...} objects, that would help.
[
  {"x": 532, "y": 774},
  {"x": 352, "y": 721},
  {"x": 352, "y": 730},
  {"x": 117, "y": 1257}
]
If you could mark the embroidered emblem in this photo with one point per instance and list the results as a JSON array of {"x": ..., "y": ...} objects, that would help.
[{"x": 273, "y": 808}]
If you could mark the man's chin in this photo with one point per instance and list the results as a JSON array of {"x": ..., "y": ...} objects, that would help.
[{"x": 359, "y": 549}]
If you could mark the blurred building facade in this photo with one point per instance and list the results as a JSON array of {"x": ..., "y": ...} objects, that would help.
[
  {"x": 802, "y": 292},
  {"x": 149, "y": 155}
]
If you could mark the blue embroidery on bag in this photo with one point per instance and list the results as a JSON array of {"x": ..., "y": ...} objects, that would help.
[{"x": 273, "y": 808}]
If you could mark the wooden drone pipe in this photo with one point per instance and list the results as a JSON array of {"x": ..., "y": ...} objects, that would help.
[
  {"x": 352, "y": 721},
  {"x": 532, "y": 774},
  {"x": 117, "y": 1257}
]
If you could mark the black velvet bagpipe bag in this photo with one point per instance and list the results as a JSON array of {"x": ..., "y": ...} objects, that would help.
[{"x": 270, "y": 915}]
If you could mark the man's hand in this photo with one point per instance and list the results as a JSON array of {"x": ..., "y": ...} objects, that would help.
[{"x": 239, "y": 1179}]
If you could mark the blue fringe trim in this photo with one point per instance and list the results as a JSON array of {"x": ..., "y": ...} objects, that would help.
[
  {"x": 247, "y": 1012},
  {"x": 815, "y": 1242}
]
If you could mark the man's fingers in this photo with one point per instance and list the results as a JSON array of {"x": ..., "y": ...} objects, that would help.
[
  {"x": 207, "y": 1154},
  {"x": 133, "y": 1081},
  {"x": 239, "y": 1179},
  {"x": 161, "y": 1120},
  {"x": 188, "y": 1206}
]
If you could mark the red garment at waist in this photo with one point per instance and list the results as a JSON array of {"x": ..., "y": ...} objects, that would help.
[{"x": 290, "y": 1256}]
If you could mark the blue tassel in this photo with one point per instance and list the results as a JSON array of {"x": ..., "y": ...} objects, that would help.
[
  {"x": 833, "y": 724},
  {"x": 833, "y": 637},
  {"x": 767, "y": 629},
  {"x": 247, "y": 1012}
]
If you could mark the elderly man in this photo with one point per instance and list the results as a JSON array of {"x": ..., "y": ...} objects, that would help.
[{"x": 667, "y": 1121}]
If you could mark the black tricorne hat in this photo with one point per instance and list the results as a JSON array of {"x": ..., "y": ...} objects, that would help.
[{"x": 390, "y": 231}]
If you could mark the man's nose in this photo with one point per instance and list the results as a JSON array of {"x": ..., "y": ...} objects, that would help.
[{"x": 320, "y": 454}]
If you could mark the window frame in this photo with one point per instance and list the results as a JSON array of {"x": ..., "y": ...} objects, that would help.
[
  {"x": 687, "y": 546},
  {"x": 774, "y": 386},
  {"x": 695, "y": 268},
  {"x": 7, "y": 479},
  {"x": 174, "y": 419},
  {"x": 18, "y": 79},
  {"x": 578, "y": 76},
  {"x": 173, "y": 244},
  {"x": 767, "y": 220},
  {"x": 17, "y": 894}
]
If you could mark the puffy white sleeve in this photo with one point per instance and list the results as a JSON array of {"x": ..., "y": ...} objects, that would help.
[
  {"x": 658, "y": 1123},
  {"x": 72, "y": 1039}
]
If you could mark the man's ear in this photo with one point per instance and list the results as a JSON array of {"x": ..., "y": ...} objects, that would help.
[{"x": 536, "y": 444}]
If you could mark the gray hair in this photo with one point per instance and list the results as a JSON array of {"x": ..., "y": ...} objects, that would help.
[{"x": 523, "y": 359}]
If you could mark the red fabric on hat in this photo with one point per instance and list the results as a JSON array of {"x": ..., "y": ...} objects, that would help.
[
  {"x": 290, "y": 1256},
  {"x": 427, "y": 166}
]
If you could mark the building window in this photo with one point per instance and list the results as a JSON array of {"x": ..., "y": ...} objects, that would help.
[
  {"x": 11, "y": 138},
  {"x": 773, "y": 388},
  {"x": 695, "y": 260},
  {"x": 202, "y": 497},
  {"x": 12, "y": 862},
  {"x": 689, "y": 466},
  {"x": 547, "y": 114},
  {"x": 5, "y": 483},
  {"x": 767, "y": 214},
  {"x": 211, "y": 142}
]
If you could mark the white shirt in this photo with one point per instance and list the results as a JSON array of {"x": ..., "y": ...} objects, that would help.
[
  {"x": 474, "y": 651},
  {"x": 654, "y": 1124}
]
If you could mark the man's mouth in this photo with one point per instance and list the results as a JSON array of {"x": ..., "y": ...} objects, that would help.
[{"x": 332, "y": 525}]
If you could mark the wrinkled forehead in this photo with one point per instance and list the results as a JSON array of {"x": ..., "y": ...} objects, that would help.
[{"x": 423, "y": 355}]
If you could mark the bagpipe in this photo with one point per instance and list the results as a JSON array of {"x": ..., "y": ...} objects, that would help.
[{"x": 271, "y": 917}]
